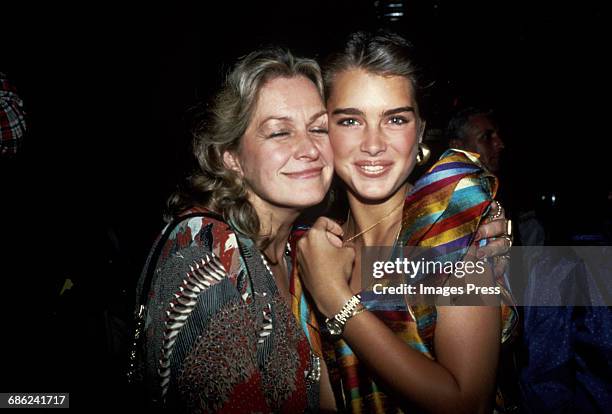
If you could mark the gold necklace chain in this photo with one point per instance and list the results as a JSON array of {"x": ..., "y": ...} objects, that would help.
[
  {"x": 267, "y": 264},
  {"x": 373, "y": 225}
]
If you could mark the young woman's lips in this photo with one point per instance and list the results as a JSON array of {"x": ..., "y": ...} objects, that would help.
[
  {"x": 303, "y": 174},
  {"x": 373, "y": 169}
]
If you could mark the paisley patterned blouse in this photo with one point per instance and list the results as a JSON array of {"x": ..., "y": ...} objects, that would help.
[{"x": 219, "y": 338}]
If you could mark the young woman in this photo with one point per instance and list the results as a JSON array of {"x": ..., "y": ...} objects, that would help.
[{"x": 437, "y": 359}]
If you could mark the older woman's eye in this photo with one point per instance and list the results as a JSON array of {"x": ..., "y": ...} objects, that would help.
[
  {"x": 348, "y": 122},
  {"x": 278, "y": 134},
  {"x": 319, "y": 130}
]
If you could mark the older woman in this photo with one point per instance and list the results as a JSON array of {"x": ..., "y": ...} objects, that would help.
[
  {"x": 219, "y": 333},
  {"x": 410, "y": 356}
]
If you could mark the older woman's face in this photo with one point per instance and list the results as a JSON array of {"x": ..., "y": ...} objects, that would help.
[
  {"x": 373, "y": 132},
  {"x": 285, "y": 156}
]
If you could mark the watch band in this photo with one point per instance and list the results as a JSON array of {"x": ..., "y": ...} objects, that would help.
[
  {"x": 336, "y": 323},
  {"x": 357, "y": 312}
]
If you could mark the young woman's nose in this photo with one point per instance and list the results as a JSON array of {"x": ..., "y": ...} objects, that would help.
[{"x": 373, "y": 142}]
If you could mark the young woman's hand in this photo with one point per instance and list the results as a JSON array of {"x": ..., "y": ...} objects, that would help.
[
  {"x": 325, "y": 266},
  {"x": 495, "y": 231}
]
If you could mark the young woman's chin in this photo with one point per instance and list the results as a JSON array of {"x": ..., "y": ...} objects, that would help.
[
  {"x": 372, "y": 191},
  {"x": 373, "y": 194}
]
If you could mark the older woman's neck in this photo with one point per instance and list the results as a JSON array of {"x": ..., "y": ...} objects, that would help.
[{"x": 275, "y": 223}]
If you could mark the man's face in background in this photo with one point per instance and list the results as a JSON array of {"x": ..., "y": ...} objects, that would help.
[{"x": 482, "y": 136}]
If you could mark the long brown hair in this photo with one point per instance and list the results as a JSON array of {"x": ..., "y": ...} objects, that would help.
[{"x": 381, "y": 53}]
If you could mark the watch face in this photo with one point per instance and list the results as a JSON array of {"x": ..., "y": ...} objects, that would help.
[{"x": 334, "y": 327}]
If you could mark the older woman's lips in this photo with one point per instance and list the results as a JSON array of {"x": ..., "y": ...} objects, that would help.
[
  {"x": 373, "y": 169},
  {"x": 309, "y": 173}
]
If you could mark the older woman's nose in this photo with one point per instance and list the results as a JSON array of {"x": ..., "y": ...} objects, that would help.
[{"x": 306, "y": 147}]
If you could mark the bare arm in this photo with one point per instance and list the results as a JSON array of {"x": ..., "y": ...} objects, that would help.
[
  {"x": 327, "y": 402},
  {"x": 460, "y": 380},
  {"x": 467, "y": 339}
]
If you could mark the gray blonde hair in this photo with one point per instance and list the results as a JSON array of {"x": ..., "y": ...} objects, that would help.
[{"x": 214, "y": 185}]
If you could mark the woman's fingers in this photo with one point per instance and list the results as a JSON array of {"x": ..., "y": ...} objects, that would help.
[
  {"x": 497, "y": 247},
  {"x": 495, "y": 228},
  {"x": 325, "y": 265},
  {"x": 333, "y": 231},
  {"x": 327, "y": 224},
  {"x": 323, "y": 231},
  {"x": 496, "y": 211},
  {"x": 334, "y": 239}
]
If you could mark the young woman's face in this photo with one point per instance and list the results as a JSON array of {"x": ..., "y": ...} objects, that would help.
[
  {"x": 373, "y": 132},
  {"x": 285, "y": 156}
]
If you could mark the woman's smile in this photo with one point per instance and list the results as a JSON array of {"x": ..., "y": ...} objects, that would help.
[{"x": 373, "y": 169}]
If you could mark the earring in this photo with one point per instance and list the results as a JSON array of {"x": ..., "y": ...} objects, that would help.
[{"x": 423, "y": 154}]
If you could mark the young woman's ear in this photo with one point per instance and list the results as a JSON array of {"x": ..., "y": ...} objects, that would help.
[
  {"x": 421, "y": 132},
  {"x": 231, "y": 161}
]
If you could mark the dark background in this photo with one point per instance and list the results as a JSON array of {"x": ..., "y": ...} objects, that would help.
[{"x": 110, "y": 89}]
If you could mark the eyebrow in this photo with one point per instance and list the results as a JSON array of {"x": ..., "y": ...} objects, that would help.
[
  {"x": 288, "y": 118},
  {"x": 355, "y": 111},
  {"x": 275, "y": 118},
  {"x": 347, "y": 111},
  {"x": 317, "y": 115},
  {"x": 399, "y": 110}
]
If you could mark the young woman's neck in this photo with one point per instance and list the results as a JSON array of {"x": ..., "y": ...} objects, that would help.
[
  {"x": 382, "y": 218},
  {"x": 275, "y": 224}
]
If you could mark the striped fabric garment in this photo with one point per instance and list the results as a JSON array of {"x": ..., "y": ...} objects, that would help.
[{"x": 442, "y": 213}]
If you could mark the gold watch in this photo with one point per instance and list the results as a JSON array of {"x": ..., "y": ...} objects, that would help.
[{"x": 335, "y": 325}]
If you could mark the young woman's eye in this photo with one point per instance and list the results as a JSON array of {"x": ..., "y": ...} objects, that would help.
[
  {"x": 348, "y": 122},
  {"x": 397, "y": 120}
]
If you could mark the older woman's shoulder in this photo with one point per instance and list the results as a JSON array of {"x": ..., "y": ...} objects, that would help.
[
  {"x": 202, "y": 233},
  {"x": 199, "y": 227}
]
